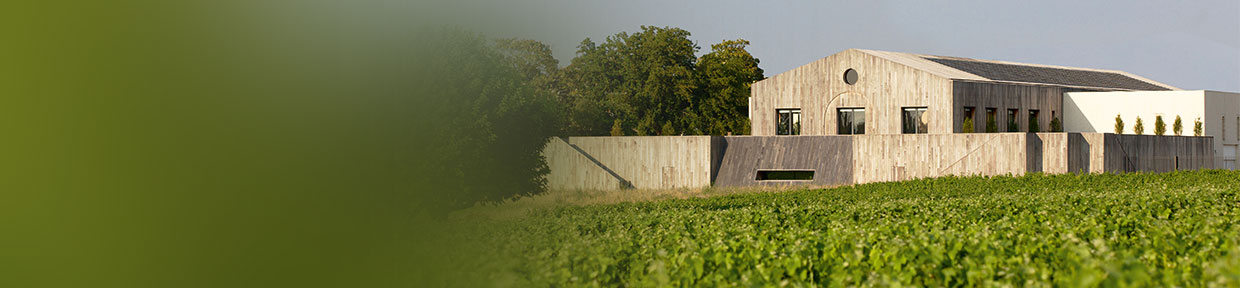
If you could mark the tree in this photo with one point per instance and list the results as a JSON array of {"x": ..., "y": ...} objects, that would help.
[
  {"x": 1056, "y": 126},
  {"x": 1160, "y": 127},
  {"x": 1197, "y": 131},
  {"x": 487, "y": 124},
  {"x": 1138, "y": 128},
  {"x": 588, "y": 82},
  {"x": 1177, "y": 126},
  {"x": 645, "y": 80},
  {"x": 968, "y": 125},
  {"x": 650, "y": 83},
  {"x": 991, "y": 126},
  {"x": 725, "y": 75},
  {"x": 1033, "y": 126},
  {"x": 1012, "y": 127},
  {"x": 1119, "y": 124}
]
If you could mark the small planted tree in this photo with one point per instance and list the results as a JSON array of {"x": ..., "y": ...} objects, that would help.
[
  {"x": 1160, "y": 127},
  {"x": 991, "y": 126},
  {"x": 1056, "y": 126},
  {"x": 1119, "y": 124},
  {"x": 1012, "y": 126},
  {"x": 968, "y": 125},
  {"x": 1177, "y": 126},
  {"x": 1033, "y": 126},
  {"x": 1138, "y": 128},
  {"x": 1197, "y": 127}
]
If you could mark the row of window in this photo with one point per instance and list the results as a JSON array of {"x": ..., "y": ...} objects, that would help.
[
  {"x": 851, "y": 121},
  {"x": 991, "y": 113}
]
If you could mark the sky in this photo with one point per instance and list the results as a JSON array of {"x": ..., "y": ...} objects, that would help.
[{"x": 1187, "y": 44}]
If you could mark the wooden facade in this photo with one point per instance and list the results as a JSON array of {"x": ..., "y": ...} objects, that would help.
[
  {"x": 883, "y": 87},
  {"x": 664, "y": 162},
  {"x": 884, "y": 84},
  {"x": 889, "y": 81}
]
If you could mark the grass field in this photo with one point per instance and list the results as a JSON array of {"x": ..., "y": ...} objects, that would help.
[{"x": 1175, "y": 229}]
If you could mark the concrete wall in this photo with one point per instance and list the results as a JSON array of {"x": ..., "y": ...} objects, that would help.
[
  {"x": 642, "y": 162},
  {"x": 1095, "y": 111},
  {"x": 1223, "y": 122},
  {"x": 830, "y": 157},
  {"x": 1219, "y": 112}
]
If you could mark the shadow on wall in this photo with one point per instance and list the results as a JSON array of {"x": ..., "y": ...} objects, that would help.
[{"x": 1077, "y": 114}]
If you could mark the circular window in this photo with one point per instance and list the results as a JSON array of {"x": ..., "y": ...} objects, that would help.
[{"x": 850, "y": 76}]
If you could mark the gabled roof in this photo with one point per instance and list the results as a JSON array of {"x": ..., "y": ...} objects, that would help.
[{"x": 1022, "y": 73}]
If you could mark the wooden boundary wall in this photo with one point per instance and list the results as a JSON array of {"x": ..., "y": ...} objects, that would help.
[
  {"x": 663, "y": 162},
  {"x": 642, "y": 162}
]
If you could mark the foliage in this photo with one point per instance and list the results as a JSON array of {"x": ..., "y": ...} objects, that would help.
[
  {"x": 1056, "y": 126},
  {"x": 1139, "y": 127},
  {"x": 487, "y": 122},
  {"x": 725, "y": 75},
  {"x": 1197, "y": 131},
  {"x": 1160, "y": 126},
  {"x": 1119, "y": 124},
  {"x": 1034, "y": 127},
  {"x": 1177, "y": 126},
  {"x": 650, "y": 83},
  {"x": 1012, "y": 126},
  {"x": 991, "y": 126},
  {"x": 968, "y": 125},
  {"x": 1175, "y": 229}
]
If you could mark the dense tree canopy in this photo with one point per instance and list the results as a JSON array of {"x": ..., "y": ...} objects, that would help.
[
  {"x": 495, "y": 103},
  {"x": 651, "y": 83},
  {"x": 488, "y": 117},
  {"x": 726, "y": 73}
]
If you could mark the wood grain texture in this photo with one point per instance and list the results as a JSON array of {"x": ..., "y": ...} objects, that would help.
[
  {"x": 830, "y": 157},
  {"x": 663, "y": 162},
  {"x": 881, "y": 158},
  {"x": 1149, "y": 153},
  {"x": 1047, "y": 100},
  {"x": 883, "y": 88},
  {"x": 643, "y": 162}
]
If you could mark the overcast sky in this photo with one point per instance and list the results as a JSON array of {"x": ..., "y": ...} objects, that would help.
[{"x": 1187, "y": 44}]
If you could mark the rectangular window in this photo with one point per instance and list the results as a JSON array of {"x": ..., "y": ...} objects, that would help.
[
  {"x": 851, "y": 121},
  {"x": 795, "y": 175},
  {"x": 914, "y": 120},
  {"x": 1034, "y": 125},
  {"x": 991, "y": 114},
  {"x": 968, "y": 116},
  {"x": 1012, "y": 125},
  {"x": 788, "y": 122}
]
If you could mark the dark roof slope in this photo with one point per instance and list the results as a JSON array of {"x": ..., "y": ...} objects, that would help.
[{"x": 1048, "y": 75}]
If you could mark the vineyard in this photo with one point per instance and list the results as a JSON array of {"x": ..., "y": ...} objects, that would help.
[{"x": 1175, "y": 229}]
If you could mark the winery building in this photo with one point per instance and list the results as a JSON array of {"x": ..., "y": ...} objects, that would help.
[{"x": 862, "y": 116}]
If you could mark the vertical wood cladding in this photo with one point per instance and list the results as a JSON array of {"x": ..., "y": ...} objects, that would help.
[
  {"x": 883, "y": 87},
  {"x": 642, "y": 162},
  {"x": 830, "y": 157},
  {"x": 663, "y": 162},
  {"x": 1047, "y": 100}
]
